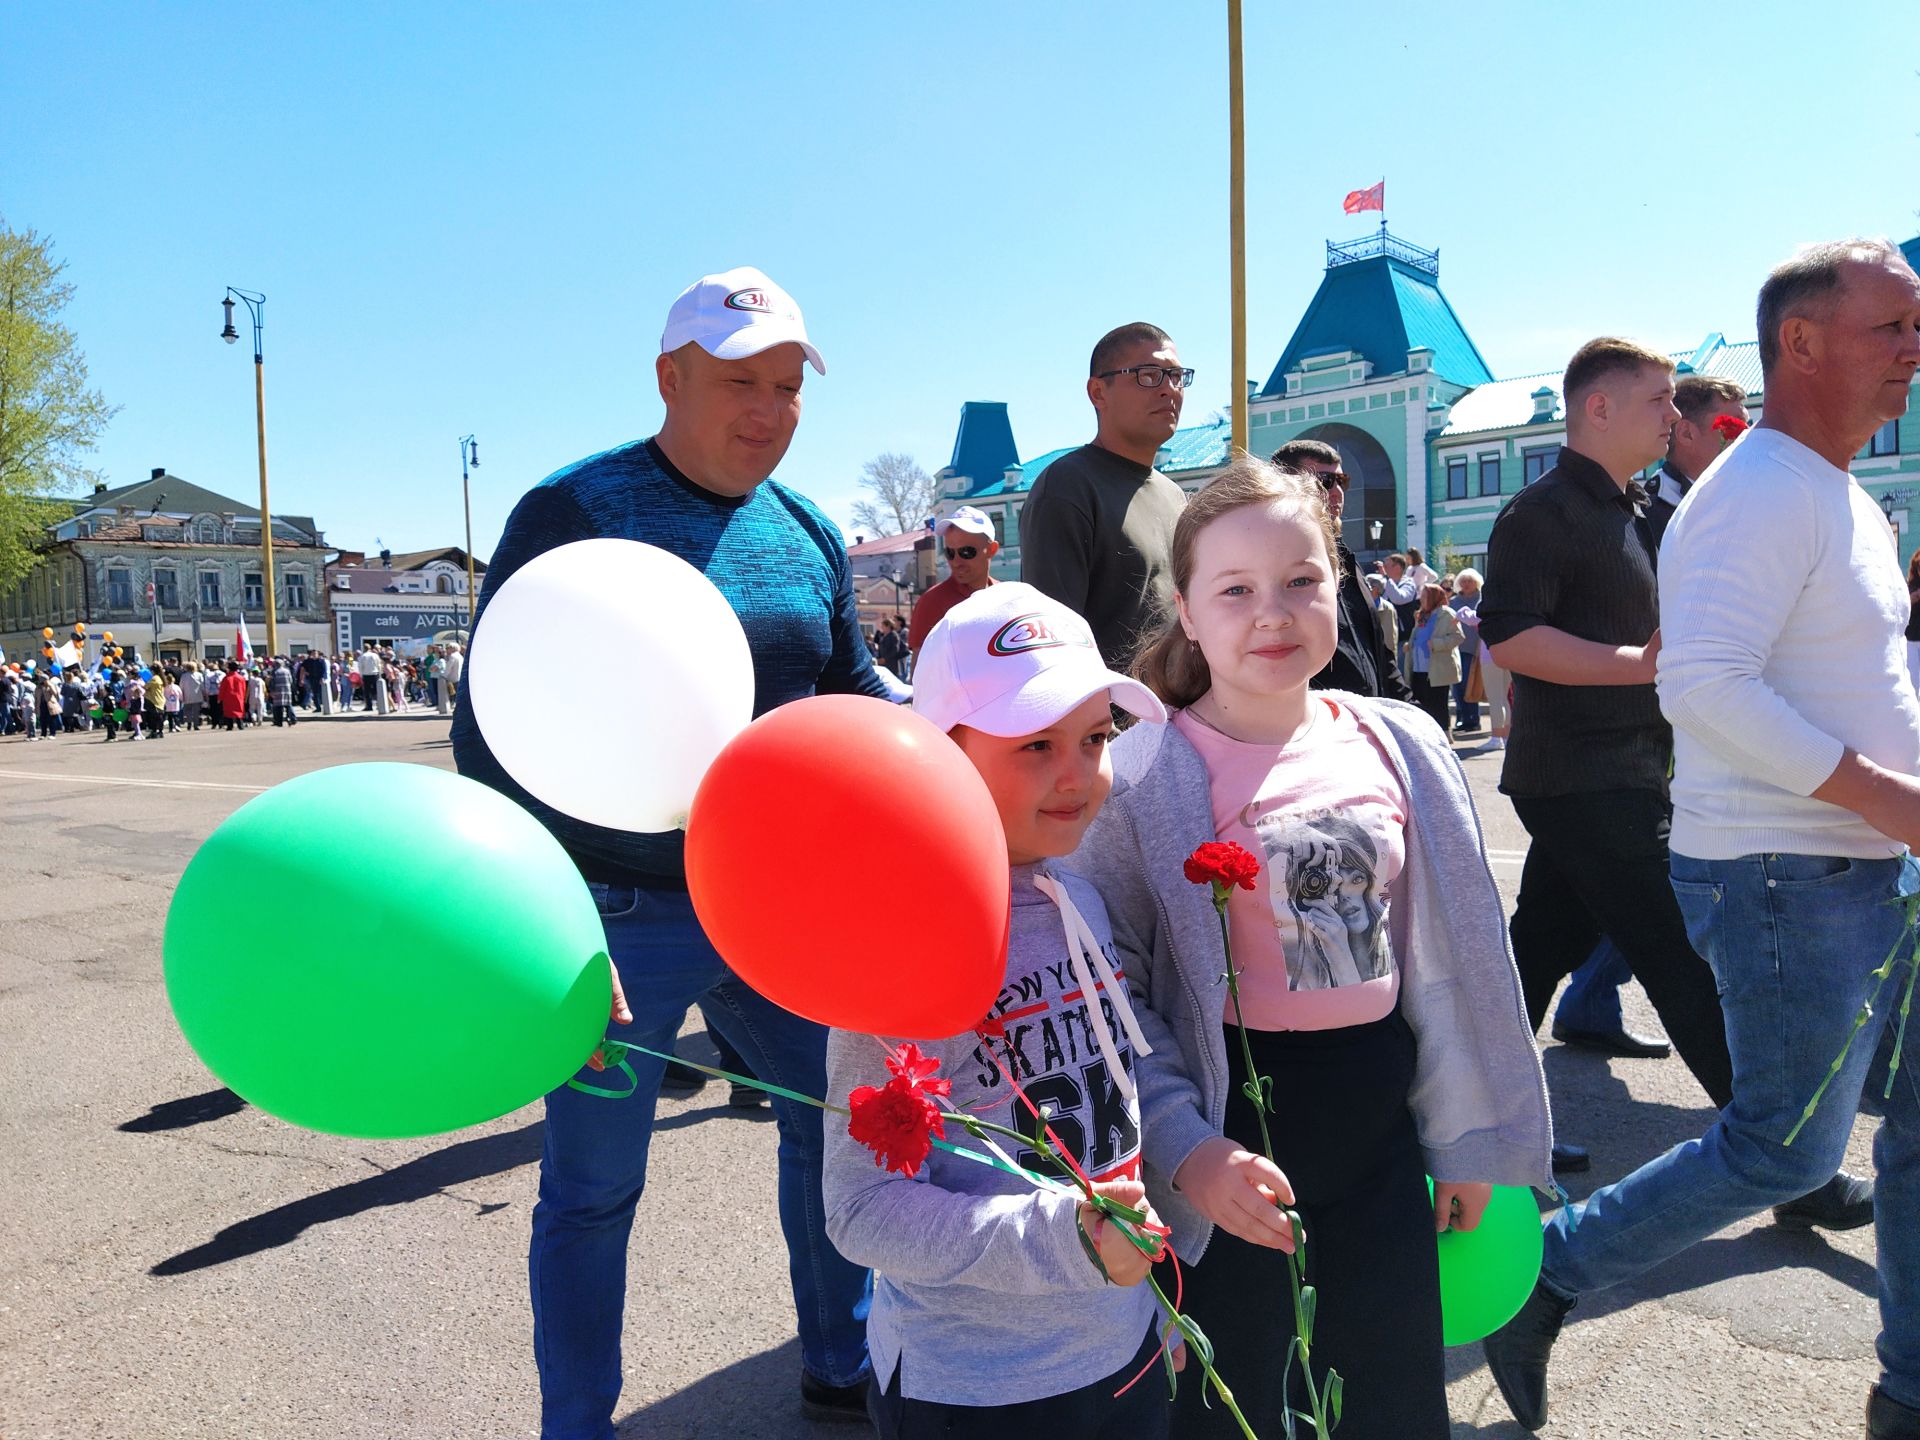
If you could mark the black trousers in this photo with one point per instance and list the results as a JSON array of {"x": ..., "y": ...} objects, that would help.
[
  {"x": 1346, "y": 1140},
  {"x": 1429, "y": 697},
  {"x": 1089, "y": 1413},
  {"x": 1598, "y": 866}
]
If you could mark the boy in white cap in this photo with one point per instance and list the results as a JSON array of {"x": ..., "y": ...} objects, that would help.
[
  {"x": 732, "y": 358},
  {"x": 966, "y": 536},
  {"x": 968, "y": 1330}
]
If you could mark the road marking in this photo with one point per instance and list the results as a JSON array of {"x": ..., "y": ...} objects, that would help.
[{"x": 148, "y": 784}]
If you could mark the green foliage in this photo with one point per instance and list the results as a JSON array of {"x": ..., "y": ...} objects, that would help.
[{"x": 49, "y": 417}]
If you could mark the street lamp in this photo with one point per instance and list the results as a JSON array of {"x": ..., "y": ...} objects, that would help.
[
  {"x": 469, "y": 455},
  {"x": 256, "y": 304}
]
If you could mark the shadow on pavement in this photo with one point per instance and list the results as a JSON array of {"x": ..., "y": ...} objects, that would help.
[
  {"x": 757, "y": 1396},
  {"x": 415, "y": 1180},
  {"x": 188, "y": 1110}
]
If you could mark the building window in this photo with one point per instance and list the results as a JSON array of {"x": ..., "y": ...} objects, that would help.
[
  {"x": 296, "y": 590},
  {"x": 1456, "y": 479},
  {"x": 209, "y": 589},
  {"x": 215, "y": 652},
  {"x": 119, "y": 588},
  {"x": 166, "y": 589},
  {"x": 1489, "y": 474},
  {"x": 443, "y": 584},
  {"x": 207, "y": 530},
  {"x": 1886, "y": 440},
  {"x": 1536, "y": 462},
  {"x": 253, "y": 591}
]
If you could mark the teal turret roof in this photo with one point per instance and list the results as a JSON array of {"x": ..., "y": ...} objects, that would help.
[
  {"x": 1381, "y": 297},
  {"x": 983, "y": 448}
]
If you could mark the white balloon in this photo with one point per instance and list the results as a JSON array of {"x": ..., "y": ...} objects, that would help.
[{"x": 671, "y": 681}]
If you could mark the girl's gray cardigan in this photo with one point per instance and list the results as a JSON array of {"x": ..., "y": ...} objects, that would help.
[{"x": 1479, "y": 1097}]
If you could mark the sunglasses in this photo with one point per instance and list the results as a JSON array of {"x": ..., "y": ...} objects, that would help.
[
  {"x": 965, "y": 552},
  {"x": 1330, "y": 478}
]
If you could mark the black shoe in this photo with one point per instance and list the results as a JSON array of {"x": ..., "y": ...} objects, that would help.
[
  {"x": 682, "y": 1079},
  {"x": 1614, "y": 1042},
  {"x": 833, "y": 1404},
  {"x": 1570, "y": 1159},
  {"x": 1888, "y": 1419},
  {"x": 1844, "y": 1203},
  {"x": 1518, "y": 1351},
  {"x": 746, "y": 1097}
]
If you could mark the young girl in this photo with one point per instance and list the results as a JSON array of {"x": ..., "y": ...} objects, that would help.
[
  {"x": 1376, "y": 987},
  {"x": 1000, "y": 1310}
]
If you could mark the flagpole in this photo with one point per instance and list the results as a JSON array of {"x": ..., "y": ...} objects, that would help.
[{"x": 1237, "y": 223}]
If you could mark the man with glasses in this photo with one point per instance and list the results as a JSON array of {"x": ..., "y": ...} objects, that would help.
[
  {"x": 1362, "y": 659},
  {"x": 1097, "y": 531},
  {"x": 966, "y": 539}
]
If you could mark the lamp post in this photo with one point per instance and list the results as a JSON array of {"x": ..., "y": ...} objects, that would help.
[
  {"x": 256, "y": 304},
  {"x": 469, "y": 454}
]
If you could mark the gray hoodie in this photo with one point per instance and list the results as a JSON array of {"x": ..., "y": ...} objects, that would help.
[
  {"x": 1479, "y": 1097},
  {"x": 982, "y": 1294}
]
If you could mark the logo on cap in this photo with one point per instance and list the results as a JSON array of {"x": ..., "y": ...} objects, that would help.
[
  {"x": 749, "y": 300},
  {"x": 1033, "y": 632}
]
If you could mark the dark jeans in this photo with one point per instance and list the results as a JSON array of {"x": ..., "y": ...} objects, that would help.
[
  {"x": 1089, "y": 1413},
  {"x": 1430, "y": 698},
  {"x": 1346, "y": 1140},
  {"x": 282, "y": 711},
  {"x": 1598, "y": 866},
  {"x": 1467, "y": 710}
]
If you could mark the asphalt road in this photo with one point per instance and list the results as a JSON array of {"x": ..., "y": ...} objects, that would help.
[{"x": 175, "y": 1265}]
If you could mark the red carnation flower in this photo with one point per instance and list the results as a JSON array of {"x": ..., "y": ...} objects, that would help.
[
  {"x": 897, "y": 1121},
  {"x": 1223, "y": 865},
  {"x": 1729, "y": 427}
]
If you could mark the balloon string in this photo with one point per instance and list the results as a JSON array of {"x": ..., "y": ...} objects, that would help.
[{"x": 616, "y": 1051}]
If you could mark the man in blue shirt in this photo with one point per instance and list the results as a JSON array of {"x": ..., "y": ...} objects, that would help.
[{"x": 732, "y": 359}]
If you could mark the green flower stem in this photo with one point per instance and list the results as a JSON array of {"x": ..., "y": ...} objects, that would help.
[
  {"x": 1879, "y": 978},
  {"x": 1198, "y": 1350},
  {"x": 1296, "y": 1257}
]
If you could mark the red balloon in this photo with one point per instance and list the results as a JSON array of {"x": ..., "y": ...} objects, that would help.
[{"x": 847, "y": 862}]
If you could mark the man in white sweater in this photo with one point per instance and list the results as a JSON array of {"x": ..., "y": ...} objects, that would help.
[{"x": 1796, "y": 798}]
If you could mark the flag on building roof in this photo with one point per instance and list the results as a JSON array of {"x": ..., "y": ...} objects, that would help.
[
  {"x": 242, "y": 646},
  {"x": 1374, "y": 197}
]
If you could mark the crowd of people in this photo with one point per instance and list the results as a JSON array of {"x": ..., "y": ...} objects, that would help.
[
  {"x": 1725, "y": 811},
  {"x": 144, "y": 701}
]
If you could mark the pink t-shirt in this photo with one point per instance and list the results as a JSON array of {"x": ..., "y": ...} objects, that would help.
[{"x": 1327, "y": 818}]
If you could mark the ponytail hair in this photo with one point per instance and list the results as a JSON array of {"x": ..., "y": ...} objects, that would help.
[{"x": 1171, "y": 665}]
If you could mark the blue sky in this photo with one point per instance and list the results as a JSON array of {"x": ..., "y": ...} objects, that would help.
[{"x": 472, "y": 218}]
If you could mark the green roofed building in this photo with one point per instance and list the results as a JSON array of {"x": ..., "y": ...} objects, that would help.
[{"x": 1381, "y": 368}]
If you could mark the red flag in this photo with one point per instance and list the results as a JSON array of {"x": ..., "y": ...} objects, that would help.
[
  {"x": 242, "y": 643},
  {"x": 1374, "y": 197}
]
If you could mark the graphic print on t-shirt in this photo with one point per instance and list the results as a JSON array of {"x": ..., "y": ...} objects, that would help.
[
  {"x": 1047, "y": 1044},
  {"x": 1329, "y": 904}
]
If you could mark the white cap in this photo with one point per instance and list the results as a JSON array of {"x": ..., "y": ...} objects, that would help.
[
  {"x": 969, "y": 518},
  {"x": 1010, "y": 660},
  {"x": 735, "y": 314}
]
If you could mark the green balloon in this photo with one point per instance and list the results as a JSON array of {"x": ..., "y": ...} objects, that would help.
[
  {"x": 1486, "y": 1273},
  {"x": 386, "y": 950}
]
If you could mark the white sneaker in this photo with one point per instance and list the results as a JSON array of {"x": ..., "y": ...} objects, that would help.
[{"x": 1496, "y": 743}]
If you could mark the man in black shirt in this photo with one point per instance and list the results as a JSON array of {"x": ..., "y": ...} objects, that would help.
[
  {"x": 1701, "y": 400},
  {"x": 1570, "y": 611},
  {"x": 1362, "y": 661},
  {"x": 1096, "y": 532}
]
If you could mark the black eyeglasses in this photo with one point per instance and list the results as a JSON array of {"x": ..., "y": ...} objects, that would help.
[
  {"x": 1151, "y": 377},
  {"x": 965, "y": 552}
]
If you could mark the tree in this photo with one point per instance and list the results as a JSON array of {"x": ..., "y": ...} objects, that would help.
[
  {"x": 903, "y": 495},
  {"x": 48, "y": 416}
]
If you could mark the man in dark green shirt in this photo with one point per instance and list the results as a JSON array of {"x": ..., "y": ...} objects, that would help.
[{"x": 1097, "y": 531}]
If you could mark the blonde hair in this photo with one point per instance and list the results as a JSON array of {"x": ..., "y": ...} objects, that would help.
[{"x": 1171, "y": 665}]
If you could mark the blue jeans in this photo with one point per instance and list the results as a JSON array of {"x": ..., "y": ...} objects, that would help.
[
  {"x": 1591, "y": 1000},
  {"x": 594, "y": 1165},
  {"x": 1792, "y": 940},
  {"x": 1466, "y": 713}
]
